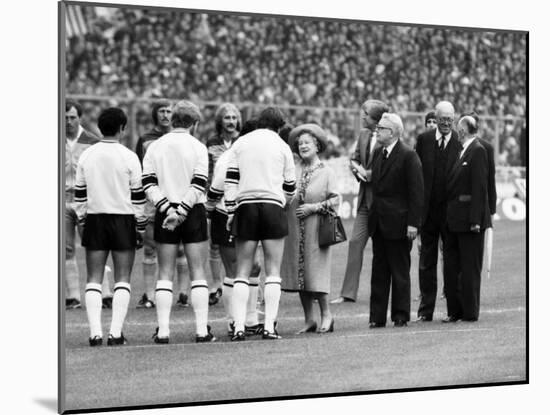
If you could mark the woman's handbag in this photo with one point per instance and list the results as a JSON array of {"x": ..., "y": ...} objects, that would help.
[{"x": 331, "y": 229}]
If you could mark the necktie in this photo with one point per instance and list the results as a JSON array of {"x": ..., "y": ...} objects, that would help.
[
  {"x": 442, "y": 144},
  {"x": 385, "y": 154}
]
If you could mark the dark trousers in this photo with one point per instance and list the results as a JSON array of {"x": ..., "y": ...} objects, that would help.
[
  {"x": 391, "y": 265},
  {"x": 464, "y": 257},
  {"x": 433, "y": 229}
]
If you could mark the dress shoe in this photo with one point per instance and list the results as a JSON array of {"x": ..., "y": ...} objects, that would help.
[
  {"x": 450, "y": 319},
  {"x": 160, "y": 340},
  {"x": 399, "y": 323},
  {"x": 470, "y": 320},
  {"x": 271, "y": 335},
  {"x": 340, "y": 300},
  {"x": 328, "y": 329},
  {"x": 374, "y": 325},
  {"x": 308, "y": 329},
  {"x": 424, "y": 318}
]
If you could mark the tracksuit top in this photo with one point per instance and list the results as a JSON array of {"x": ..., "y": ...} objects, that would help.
[
  {"x": 175, "y": 171},
  {"x": 260, "y": 170},
  {"x": 108, "y": 181},
  {"x": 72, "y": 154}
]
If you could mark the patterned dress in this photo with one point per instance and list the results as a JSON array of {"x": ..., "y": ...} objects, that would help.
[{"x": 306, "y": 266}]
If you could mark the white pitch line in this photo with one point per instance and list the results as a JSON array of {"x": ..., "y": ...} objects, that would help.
[
  {"x": 154, "y": 323},
  {"x": 377, "y": 333}
]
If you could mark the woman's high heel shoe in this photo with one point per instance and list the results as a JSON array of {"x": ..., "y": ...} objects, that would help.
[
  {"x": 310, "y": 329},
  {"x": 330, "y": 328}
]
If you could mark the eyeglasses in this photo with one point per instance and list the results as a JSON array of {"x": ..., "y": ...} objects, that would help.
[
  {"x": 446, "y": 120},
  {"x": 380, "y": 128}
]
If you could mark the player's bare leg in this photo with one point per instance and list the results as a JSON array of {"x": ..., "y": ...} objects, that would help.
[{"x": 215, "y": 261}]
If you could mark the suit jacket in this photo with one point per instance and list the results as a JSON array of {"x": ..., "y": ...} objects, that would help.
[
  {"x": 362, "y": 156},
  {"x": 426, "y": 148},
  {"x": 398, "y": 192},
  {"x": 491, "y": 187},
  {"x": 468, "y": 200}
]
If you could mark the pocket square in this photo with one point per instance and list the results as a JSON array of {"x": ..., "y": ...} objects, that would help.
[{"x": 465, "y": 163}]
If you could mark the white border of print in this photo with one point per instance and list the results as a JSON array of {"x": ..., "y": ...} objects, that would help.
[{"x": 29, "y": 169}]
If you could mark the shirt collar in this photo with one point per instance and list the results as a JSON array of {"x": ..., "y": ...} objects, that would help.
[
  {"x": 466, "y": 145},
  {"x": 391, "y": 146},
  {"x": 438, "y": 135}
]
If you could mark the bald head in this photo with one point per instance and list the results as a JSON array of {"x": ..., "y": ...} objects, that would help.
[{"x": 467, "y": 128}]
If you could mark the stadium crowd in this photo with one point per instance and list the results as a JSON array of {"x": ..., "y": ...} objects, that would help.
[{"x": 254, "y": 60}]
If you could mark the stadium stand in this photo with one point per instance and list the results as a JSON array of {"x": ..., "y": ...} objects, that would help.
[{"x": 262, "y": 60}]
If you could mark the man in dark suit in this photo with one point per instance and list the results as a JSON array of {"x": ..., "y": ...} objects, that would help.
[
  {"x": 438, "y": 149},
  {"x": 490, "y": 150},
  {"x": 468, "y": 216},
  {"x": 394, "y": 219},
  {"x": 360, "y": 165}
]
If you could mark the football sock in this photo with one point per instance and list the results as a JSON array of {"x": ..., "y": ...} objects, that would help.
[
  {"x": 149, "y": 276},
  {"x": 215, "y": 261},
  {"x": 226, "y": 297},
  {"x": 240, "y": 299},
  {"x": 251, "y": 312},
  {"x": 121, "y": 299},
  {"x": 72, "y": 278},
  {"x": 92, "y": 297},
  {"x": 199, "y": 301},
  {"x": 107, "y": 282},
  {"x": 272, "y": 295},
  {"x": 163, "y": 300}
]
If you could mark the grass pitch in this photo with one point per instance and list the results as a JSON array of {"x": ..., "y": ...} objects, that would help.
[{"x": 351, "y": 359}]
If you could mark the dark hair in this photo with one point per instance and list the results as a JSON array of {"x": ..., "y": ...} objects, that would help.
[
  {"x": 156, "y": 106},
  {"x": 271, "y": 118},
  {"x": 284, "y": 132},
  {"x": 70, "y": 103},
  {"x": 249, "y": 125},
  {"x": 429, "y": 116},
  {"x": 220, "y": 113},
  {"x": 377, "y": 108},
  {"x": 110, "y": 120}
]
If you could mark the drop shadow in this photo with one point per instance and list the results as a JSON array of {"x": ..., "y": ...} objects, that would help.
[{"x": 48, "y": 403}]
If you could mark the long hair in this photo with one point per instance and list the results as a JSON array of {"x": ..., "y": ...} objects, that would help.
[
  {"x": 156, "y": 106},
  {"x": 224, "y": 109}
]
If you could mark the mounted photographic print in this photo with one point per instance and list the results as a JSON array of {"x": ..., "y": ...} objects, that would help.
[{"x": 206, "y": 152}]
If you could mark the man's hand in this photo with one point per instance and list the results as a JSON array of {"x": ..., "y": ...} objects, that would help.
[
  {"x": 411, "y": 233},
  {"x": 139, "y": 239},
  {"x": 229, "y": 222},
  {"x": 172, "y": 221},
  {"x": 358, "y": 171},
  {"x": 80, "y": 227},
  {"x": 306, "y": 209},
  {"x": 475, "y": 228}
]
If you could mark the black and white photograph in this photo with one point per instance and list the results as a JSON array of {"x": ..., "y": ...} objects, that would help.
[
  {"x": 278, "y": 209},
  {"x": 262, "y": 206}
]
